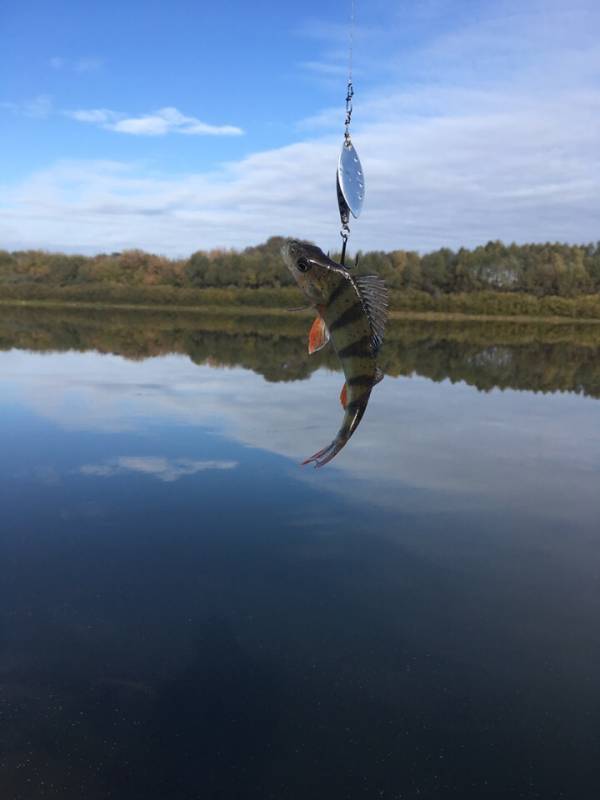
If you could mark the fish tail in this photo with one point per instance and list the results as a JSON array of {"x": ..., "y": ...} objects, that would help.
[{"x": 352, "y": 417}]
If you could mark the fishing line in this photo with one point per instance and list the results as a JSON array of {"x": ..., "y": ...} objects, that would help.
[{"x": 352, "y": 22}]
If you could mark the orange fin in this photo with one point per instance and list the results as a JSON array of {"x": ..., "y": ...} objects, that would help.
[
  {"x": 344, "y": 396},
  {"x": 318, "y": 335}
]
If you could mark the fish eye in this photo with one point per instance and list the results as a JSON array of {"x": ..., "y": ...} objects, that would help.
[{"x": 303, "y": 265}]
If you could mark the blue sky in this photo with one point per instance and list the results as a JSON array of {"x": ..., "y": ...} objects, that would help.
[{"x": 185, "y": 125}]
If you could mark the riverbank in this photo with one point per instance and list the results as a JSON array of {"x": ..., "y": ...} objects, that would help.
[{"x": 261, "y": 311}]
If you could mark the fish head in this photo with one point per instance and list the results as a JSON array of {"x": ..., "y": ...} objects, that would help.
[{"x": 314, "y": 272}]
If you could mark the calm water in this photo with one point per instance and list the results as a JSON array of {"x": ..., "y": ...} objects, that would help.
[{"x": 187, "y": 613}]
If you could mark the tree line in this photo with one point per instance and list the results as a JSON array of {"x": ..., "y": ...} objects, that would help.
[
  {"x": 494, "y": 279},
  {"x": 560, "y": 270}
]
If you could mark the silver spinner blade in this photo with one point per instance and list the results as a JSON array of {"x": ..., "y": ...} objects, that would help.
[{"x": 350, "y": 178}]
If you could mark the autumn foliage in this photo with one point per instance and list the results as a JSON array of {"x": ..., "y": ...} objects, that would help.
[{"x": 532, "y": 279}]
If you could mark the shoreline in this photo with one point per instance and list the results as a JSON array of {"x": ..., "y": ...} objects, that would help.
[{"x": 257, "y": 311}]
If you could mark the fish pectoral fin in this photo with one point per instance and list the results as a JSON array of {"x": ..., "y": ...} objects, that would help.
[
  {"x": 344, "y": 396},
  {"x": 378, "y": 376},
  {"x": 318, "y": 335}
]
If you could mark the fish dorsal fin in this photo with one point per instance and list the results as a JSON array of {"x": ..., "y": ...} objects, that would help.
[
  {"x": 374, "y": 295},
  {"x": 318, "y": 335}
]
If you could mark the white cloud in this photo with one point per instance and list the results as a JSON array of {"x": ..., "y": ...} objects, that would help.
[
  {"x": 38, "y": 107},
  {"x": 337, "y": 33},
  {"x": 475, "y": 166},
  {"x": 164, "y": 469},
  {"x": 87, "y": 64},
  {"x": 98, "y": 115},
  {"x": 158, "y": 123},
  {"x": 495, "y": 136},
  {"x": 325, "y": 69}
]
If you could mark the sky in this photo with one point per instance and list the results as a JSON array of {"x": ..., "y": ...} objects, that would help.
[{"x": 181, "y": 126}]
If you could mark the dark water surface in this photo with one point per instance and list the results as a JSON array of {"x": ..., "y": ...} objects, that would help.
[{"x": 186, "y": 613}]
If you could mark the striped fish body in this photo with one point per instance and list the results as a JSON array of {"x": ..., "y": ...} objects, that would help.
[
  {"x": 352, "y": 313},
  {"x": 351, "y": 337}
]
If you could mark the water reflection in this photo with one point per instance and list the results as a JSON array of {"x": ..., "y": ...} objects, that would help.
[
  {"x": 526, "y": 356},
  {"x": 185, "y": 612},
  {"x": 425, "y": 446}
]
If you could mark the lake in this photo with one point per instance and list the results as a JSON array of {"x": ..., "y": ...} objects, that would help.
[{"x": 188, "y": 613}]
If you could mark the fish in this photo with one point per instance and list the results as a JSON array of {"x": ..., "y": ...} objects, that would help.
[{"x": 351, "y": 313}]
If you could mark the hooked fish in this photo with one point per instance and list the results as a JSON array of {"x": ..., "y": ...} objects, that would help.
[{"x": 352, "y": 312}]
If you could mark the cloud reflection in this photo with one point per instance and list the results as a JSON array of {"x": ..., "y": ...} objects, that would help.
[
  {"x": 422, "y": 447},
  {"x": 164, "y": 469}
]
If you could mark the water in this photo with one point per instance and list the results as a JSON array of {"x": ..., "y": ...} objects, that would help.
[{"x": 187, "y": 613}]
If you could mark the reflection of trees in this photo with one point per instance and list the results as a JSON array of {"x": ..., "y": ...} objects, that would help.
[
  {"x": 533, "y": 367},
  {"x": 486, "y": 355}
]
